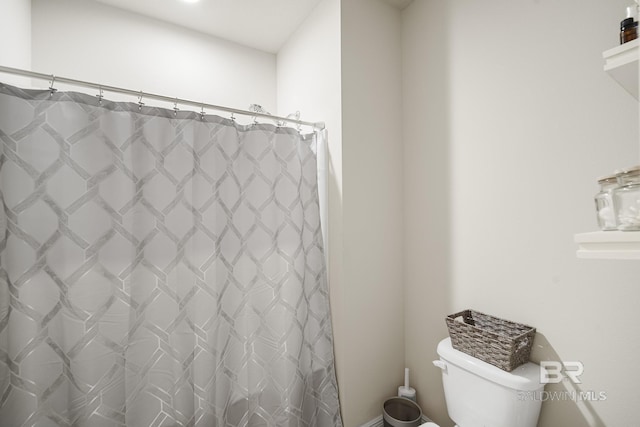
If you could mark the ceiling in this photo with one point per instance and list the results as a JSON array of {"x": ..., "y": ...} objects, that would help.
[{"x": 261, "y": 24}]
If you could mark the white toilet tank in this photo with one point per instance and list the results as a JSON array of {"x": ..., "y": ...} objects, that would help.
[{"x": 479, "y": 394}]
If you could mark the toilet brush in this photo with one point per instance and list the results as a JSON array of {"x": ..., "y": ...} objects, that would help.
[{"x": 405, "y": 390}]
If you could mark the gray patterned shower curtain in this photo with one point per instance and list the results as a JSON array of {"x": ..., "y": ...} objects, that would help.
[{"x": 158, "y": 268}]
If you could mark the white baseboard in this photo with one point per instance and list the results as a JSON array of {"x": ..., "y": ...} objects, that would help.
[{"x": 377, "y": 422}]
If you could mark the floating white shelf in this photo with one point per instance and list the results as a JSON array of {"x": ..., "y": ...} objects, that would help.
[
  {"x": 621, "y": 63},
  {"x": 609, "y": 245}
]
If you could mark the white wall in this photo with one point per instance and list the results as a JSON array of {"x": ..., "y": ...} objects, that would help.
[
  {"x": 15, "y": 38},
  {"x": 371, "y": 359},
  {"x": 508, "y": 121},
  {"x": 93, "y": 42}
]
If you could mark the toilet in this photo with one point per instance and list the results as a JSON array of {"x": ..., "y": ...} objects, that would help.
[{"x": 479, "y": 394}]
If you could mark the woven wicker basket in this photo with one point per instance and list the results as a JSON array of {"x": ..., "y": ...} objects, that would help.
[{"x": 502, "y": 343}]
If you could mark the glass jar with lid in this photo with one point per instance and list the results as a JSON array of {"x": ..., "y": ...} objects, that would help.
[
  {"x": 605, "y": 209},
  {"x": 626, "y": 200}
]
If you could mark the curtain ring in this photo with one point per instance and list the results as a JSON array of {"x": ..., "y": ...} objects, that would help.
[
  {"x": 100, "y": 95},
  {"x": 298, "y": 125},
  {"x": 202, "y": 112},
  {"x": 52, "y": 90},
  {"x": 175, "y": 108},
  {"x": 140, "y": 103}
]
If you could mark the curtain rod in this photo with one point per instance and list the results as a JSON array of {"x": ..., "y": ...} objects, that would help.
[{"x": 53, "y": 78}]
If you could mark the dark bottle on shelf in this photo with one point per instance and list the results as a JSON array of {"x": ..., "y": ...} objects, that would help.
[{"x": 629, "y": 26}]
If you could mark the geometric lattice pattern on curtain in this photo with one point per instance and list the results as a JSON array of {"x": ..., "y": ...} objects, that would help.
[{"x": 158, "y": 269}]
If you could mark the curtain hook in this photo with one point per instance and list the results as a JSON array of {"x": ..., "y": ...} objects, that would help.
[
  {"x": 297, "y": 117},
  {"x": 140, "y": 103},
  {"x": 233, "y": 117},
  {"x": 100, "y": 95},
  {"x": 52, "y": 90},
  {"x": 202, "y": 112},
  {"x": 175, "y": 108}
]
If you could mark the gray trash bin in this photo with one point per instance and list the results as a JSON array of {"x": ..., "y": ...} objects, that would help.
[{"x": 401, "y": 412}]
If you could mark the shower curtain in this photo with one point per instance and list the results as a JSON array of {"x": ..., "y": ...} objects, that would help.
[{"x": 158, "y": 268}]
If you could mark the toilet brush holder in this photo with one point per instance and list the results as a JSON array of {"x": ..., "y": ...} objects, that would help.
[{"x": 406, "y": 391}]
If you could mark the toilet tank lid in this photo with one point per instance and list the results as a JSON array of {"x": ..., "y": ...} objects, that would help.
[{"x": 525, "y": 377}]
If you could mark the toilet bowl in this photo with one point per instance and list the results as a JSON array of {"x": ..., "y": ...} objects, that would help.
[{"x": 479, "y": 394}]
